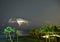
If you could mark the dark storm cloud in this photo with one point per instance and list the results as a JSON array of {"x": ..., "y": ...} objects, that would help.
[{"x": 37, "y": 11}]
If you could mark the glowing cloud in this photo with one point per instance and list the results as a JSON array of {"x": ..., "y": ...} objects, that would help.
[
  {"x": 19, "y": 21},
  {"x": 11, "y": 20}
]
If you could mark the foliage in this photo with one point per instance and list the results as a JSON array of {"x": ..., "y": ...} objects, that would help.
[
  {"x": 44, "y": 30},
  {"x": 47, "y": 28},
  {"x": 10, "y": 29}
]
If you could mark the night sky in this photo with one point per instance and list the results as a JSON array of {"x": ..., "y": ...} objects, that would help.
[{"x": 35, "y": 11}]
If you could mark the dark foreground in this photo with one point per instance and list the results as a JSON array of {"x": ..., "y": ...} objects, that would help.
[{"x": 28, "y": 39}]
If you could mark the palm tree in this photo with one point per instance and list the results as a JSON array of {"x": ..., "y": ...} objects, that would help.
[
  {"x": 47, "y": 30},
  {"x": 17, "y": 32},
  {"x": 32, "y": 32},
  {"x": 37, "y": 33},
  {"x": 8, "y": 30}
]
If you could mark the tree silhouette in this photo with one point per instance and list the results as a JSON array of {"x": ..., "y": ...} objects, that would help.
[
  {"x": 8, "y": 30},
  {"x": 47, "y": 30},
  {"x": 17, "y": 32}
]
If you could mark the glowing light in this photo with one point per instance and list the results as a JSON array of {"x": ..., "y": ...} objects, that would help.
[
  {"x": 55, "y": 35},
  {"x": 19, "y": 21},
  {"x": 46, "y": 36},
  {"x": 11, "y": 21}
]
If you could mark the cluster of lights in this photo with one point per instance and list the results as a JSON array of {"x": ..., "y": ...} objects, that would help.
[{"x": 47, "y": 36}]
